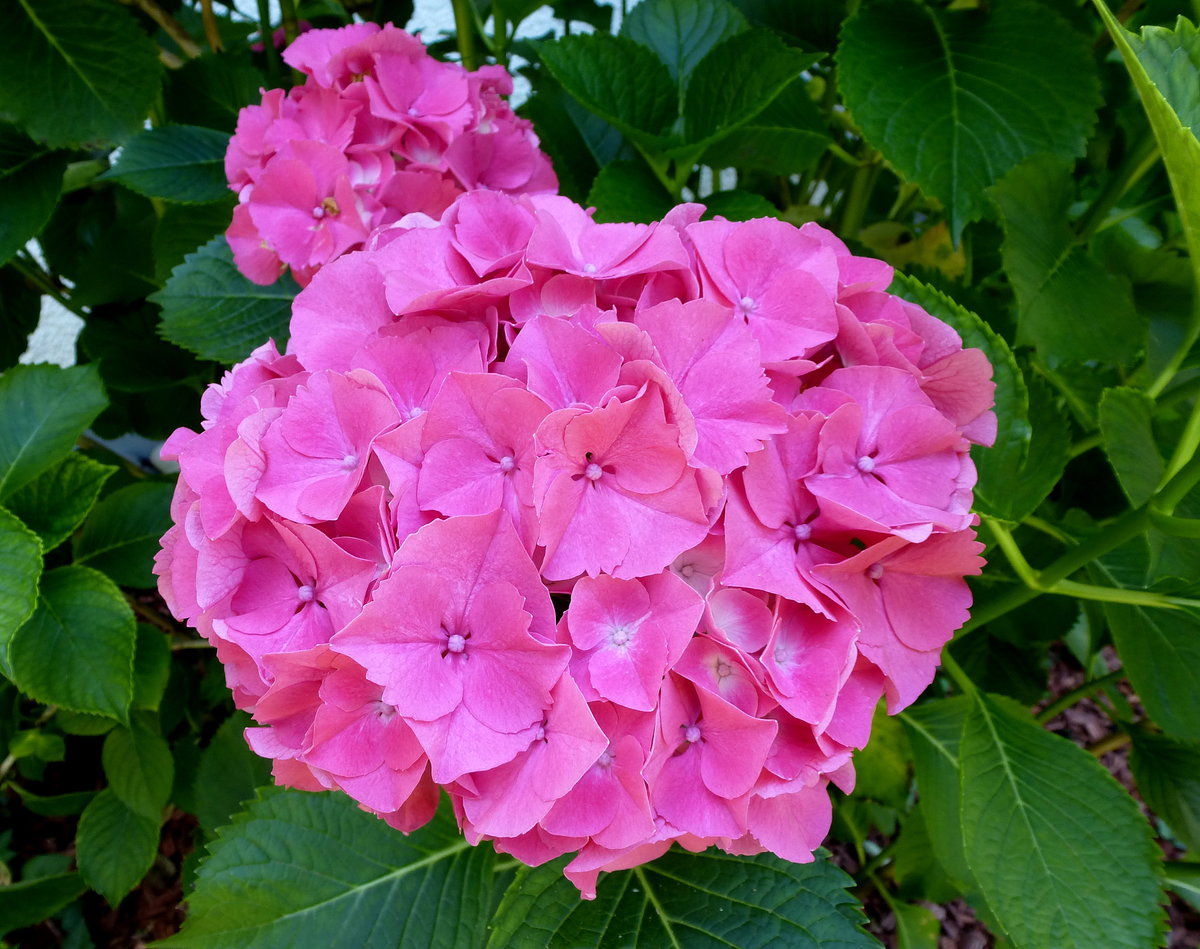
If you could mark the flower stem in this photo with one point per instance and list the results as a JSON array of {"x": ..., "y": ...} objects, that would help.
[
  {"x": 464, "y": 28},
  {"x": 1076, "y": 695}
]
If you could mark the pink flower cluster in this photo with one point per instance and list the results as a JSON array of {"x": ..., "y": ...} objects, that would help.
[
  {"x": 617, "y": 533},
  {"x": 379, "y": 129}
]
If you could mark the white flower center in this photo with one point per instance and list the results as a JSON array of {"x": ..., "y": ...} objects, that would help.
[
  {"x": 593, "y": 471},
  {"x": 455, "y": 643},
  {"x": 866, "y": 464},
  {"x": 875, "y": 571},
  {"x": 507, "y": 463},
  {"x": 305, "y": 593},
  {"x": 350, "y": 462},
  {"x": 802, "y": 531},
  {"x": 691, "y": 733}
]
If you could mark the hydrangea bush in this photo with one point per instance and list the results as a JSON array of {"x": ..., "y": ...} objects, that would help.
[
  {"x": 542, "y": 476},
  {"x": 617, "y": 532}
]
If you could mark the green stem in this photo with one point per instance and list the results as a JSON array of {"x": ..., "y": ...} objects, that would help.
[
  {"x": 1185, "y": 450},
  {"x": 190, "y": 644},
  {"x": 1050, "y": 530},
  {"x": 1090, "y": 591},
  {"x": 1175, "y": 490},
  {"x": 1008, "y": 544},
  {"x": 1111, "y": 743},
  {"x": 291, "y": 24},
  {"x": 957, "y": 673},
  {"x": 464, "y": 27},
  {"x": 274, "y": 64},
  {"x": 1076, "y": 695},
  {"x": 1140, "y": 160},
  {"x": 859, "y": 195},
  {"x": 29, "y": 269}
]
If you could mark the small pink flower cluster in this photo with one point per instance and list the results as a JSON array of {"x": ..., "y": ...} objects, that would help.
[
  {"x": 379, "y": 129},
  {"x": 616, "y": 532}
]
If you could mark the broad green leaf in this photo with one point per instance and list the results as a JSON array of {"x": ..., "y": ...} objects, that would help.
[
  {"x": 43, "y": 410},
  {"x": 77, "y": 648},
  {"x": 83, "y": 723},
  {"x": 30, "y": 180},
  {"x": 1069, "y": 307},
  {"x": 54, "y": 805},
  {"x": 619, "y": 80},
  {"x": 211, "y": 309},
  {"x": 228, "y": 775},
  {"x": 682, "y": 32},
  {"x": 180, "y": 163},
  {"x": 1058, "y": 848},
  {"x": 1014, "y": 493},
  {"x": 121, "y": 536},
  {"x": 1125, "y": 425},
  {"x": 738, "y": 205},
  {"x": 30, "y": 901},
  {"x": 919, "y": 875},
  {"x": 1184, "y": 879},
  {"x": 1164, "y": 67},
  {"x": 628, "y": 191},
  {"x": 20, "y": 310},
  {"x": 954, "y": 99},
  {"x": 303, "y": 869},
  {"x": 788, "y": 136},
  {"x": 139, "y": 768},
  {"x": 1167, "y": 772},
  {"x": 999, "y": 463},
  {"x": 20, "y": 568},
  {"x": 54, "y": 503},
  {"x": 881, "y": 769},
  {"x": 76, "y": 72},
  {"x": 934, "y": 730},
  {"x": 151, "y": 667},
  {"x": 1160, "y": 649},
  {"x": 115, "y": 846},
  {"x": 916, "y": 927},
  {"x": 810, "y": 24},
  {"x": 132, "y": 357},
  {"x": 736, "y": 81},
  {"x": 212, "y": 89},
  {"x": 683, "y": 899},
  {"x": 184, "y": 228},
  {"x": 560, "y": 137},
  {"x": 35, "y": 743}
]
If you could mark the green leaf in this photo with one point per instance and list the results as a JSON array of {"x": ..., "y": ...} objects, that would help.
[
  {"x": 139, "y": 768},
  {"x": 919, "y": 875},
  {"x": 55, "y": 502},
  {"x": 116, "y": 846},
  {"x": 1167, "y": 772},
  {"x": 683, "y": 899},
  {"x": 304, "y": 869},
  {"x": 1125, "y": 425},
  {"x": 916, "y": 927},
  {"x": 628, "y": 191},
  {"x": 738, "y": 205},
  {"x": 20, "y": 310},
  {"x": 1069, "y": 307},
  {"x": 934, "y": 730},
  {"x": 1160, "y": 649},
  {"x": 1184, "y": 879},
  {"x": 954, "y": 99},
  {"x": 35, "y": 743},
  {"x": 121, "y": 537},
  {"x": 682, "y": 32},
  {"x": 184, "y": 228},
  {"x": 1058, "y": 848},
  {"x": 77, "y": 648},
  {"x": 736, "y": 81},
  {"x": 54, "y": 805},
  {"x": 881, "y": 768},
  {"x": 76, "y": 72},
  {"x": 30, "y": 901},
  {"x": 228, "y": 775},
  {"x": 211, "y": 309},
  {"x": 619, "y": 80},
  {"x": 151, "y": 667},
  {"x": 20, "y": 568},
  {"x": 211, "y": 89},
  {"x": 180, "y": 163},
  {"x": 788, "y": 136},
  {"x": 30, "y": 180},
  {"x": 1014, "y": 494},
  {"x": 43, "y": 410},
  {"x": 1164, "y": 68}
]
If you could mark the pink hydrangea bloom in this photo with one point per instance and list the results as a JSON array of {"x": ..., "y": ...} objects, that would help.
[
  {"x": 379, "y": 129},
  {"x": 616, "y": 534}
]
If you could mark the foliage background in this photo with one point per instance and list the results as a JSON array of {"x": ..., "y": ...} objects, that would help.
[{"x": 1031, "y": 167}]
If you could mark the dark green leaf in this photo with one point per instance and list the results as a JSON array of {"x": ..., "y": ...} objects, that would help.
[
  {"x": 1184, "y": 879},
  {"x": 76, "y": 72},
  {"x": 180, "y": 163},
  {"x": 619, "y": 80},
  {"x": 1070, "y": 308},
  {"x": 77, "y": 648},
  {"x": 738, "y": 205},
  {"x": 1167, "y": 772},
  {"x": 1013, "y": 494},
  {"x": 121, "y": 536},
  {"x": 20, "y": 310},
  {"x": 211, "y": 309},
  {"x": 788, "y": 136},
  {"x": 81, "y": 723},
  {"x": 736, "y": 81},
  {"x": 881, "y": 768},
  {"x": 35, "y": 743},
  {"x": 132, "y": 357},
  {"x": 115, "y": 846},
  {"x": 184, "y": 228},
  {"x": 43, "y": 410},
  {"x": 211, "y": 90},
  {"x": 228, "y": 775},
  {"x": 683, "y": 899},
  {"x": 954, "y": 99},
  {"x": 139, "y": 768},
  {"x": 628, "y": 191},
  {"x": 20, "y": 567},
  {"x": 1125, "y": 424},
  {"x": 55, "y": 805},
  {"x": 151, "y": 667},
  {"x": 1058, "y": 848},
  {"x": 916, "y": 927},
  {"x": 562, "y": 140},
  {"x": 117, "y": 265},
  {"x": 917, "y": 872},
  {"x": 1171, "y": 59},
  {"x": 54, "y": 503},
  {"x": 30, "y": 180},
  {"x": 682, "y": 32},
  {"x": 304, "y": 869},
  {"x": 30, "y": 901},
  {"x": 810, "y": 24}
]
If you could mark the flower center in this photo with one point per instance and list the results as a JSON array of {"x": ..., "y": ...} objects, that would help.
[
  {"x": 606, "y": 759},
  {"x": 691, "y": 733},
  {"x": 866, "y": 464},
  {"x": 305, "y": 593},
  {"x": 619, "y": 636},
  {"x": 330, "y": 206},
  {"x": 350, "y": 462},
  {"x": 507, "y": 463},
  {"x": 455, "y": 643},
  {"x": 593, "y": 471},
  {"x": 802, "y": 531},
  {"x": 589, "y": 268},
  {"x": 723, "y": 669},
  {"x": 687, "y": 570},
  {"x": 875, "y": 571}
]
